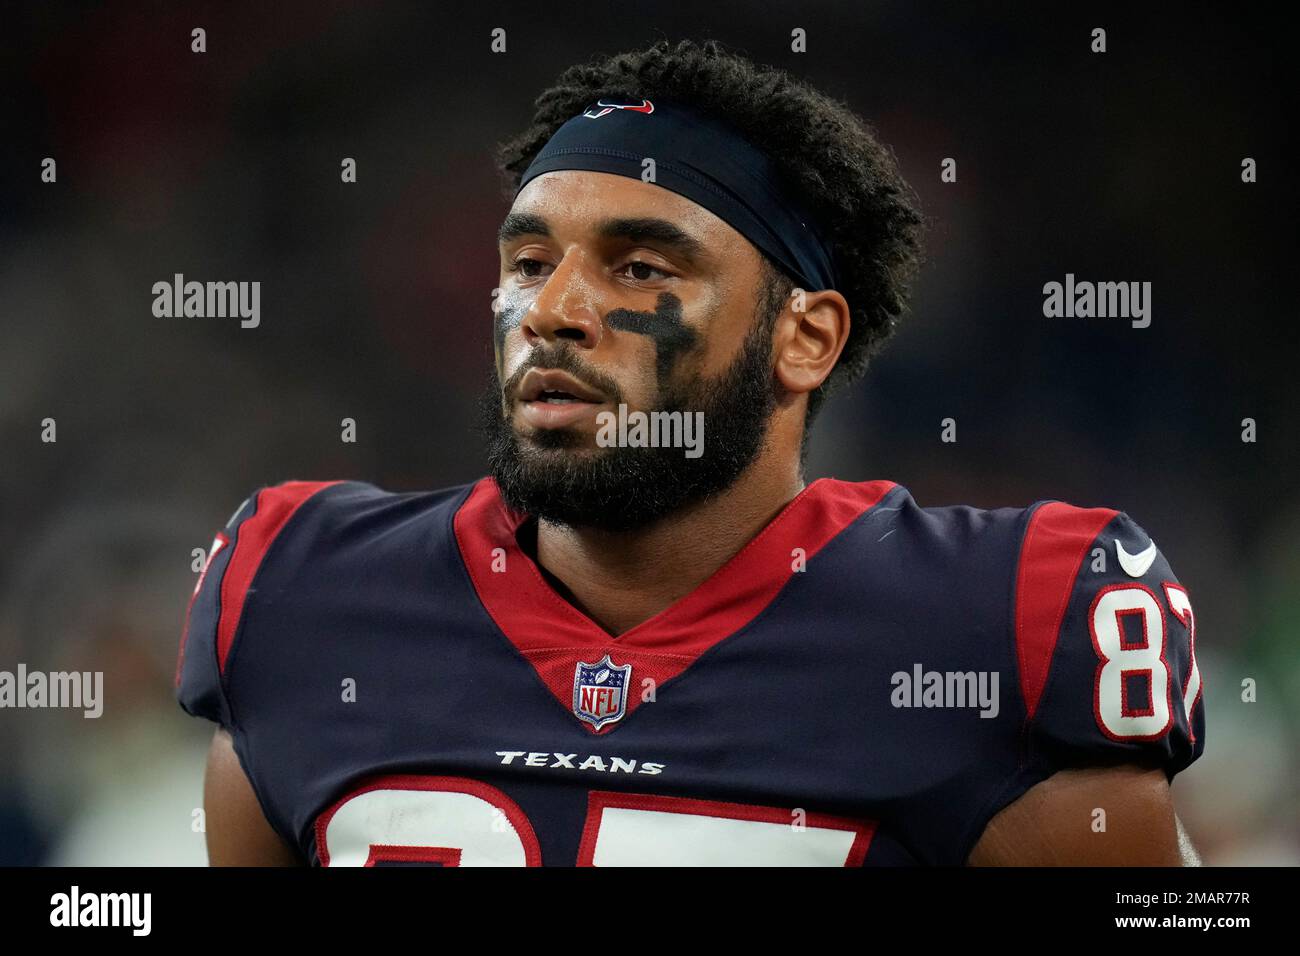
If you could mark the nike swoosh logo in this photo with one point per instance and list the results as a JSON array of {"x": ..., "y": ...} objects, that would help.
[{"x": 1136, "y": 565}]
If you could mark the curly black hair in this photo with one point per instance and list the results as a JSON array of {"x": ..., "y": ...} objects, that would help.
[{"x": 836, "y": 165}]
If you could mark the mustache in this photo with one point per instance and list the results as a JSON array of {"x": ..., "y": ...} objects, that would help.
[{"x": 563, "y": 359}]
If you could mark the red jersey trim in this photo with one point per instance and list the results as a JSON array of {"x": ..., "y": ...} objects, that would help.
[
  {"x": 1056, "y": 542},
  {"x": 553, "y": 635},
  {"x": 219, "y": 543},
  {"x": 274, "y": 507}
]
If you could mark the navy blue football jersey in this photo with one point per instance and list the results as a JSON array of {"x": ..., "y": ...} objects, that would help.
[{"x": 867, "y": 682}]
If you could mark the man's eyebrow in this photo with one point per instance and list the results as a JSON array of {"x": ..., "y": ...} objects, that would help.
[
  {"x": 635, "y": 229},
  {"x": 660, "y": 231},
  {"x": 518, "y": 224}
]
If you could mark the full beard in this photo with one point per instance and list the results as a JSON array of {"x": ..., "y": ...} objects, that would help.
[{"x": 629, "y": 488}]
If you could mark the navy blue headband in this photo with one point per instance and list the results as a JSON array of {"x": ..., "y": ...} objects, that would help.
[{"x": 705, "y": 161}]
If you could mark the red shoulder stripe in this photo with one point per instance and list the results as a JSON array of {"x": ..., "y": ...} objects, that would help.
[
  {"x": 219, "y": 542},
  {"x": 1056, "y": 542},
  {"x": 275, "y": 506}
]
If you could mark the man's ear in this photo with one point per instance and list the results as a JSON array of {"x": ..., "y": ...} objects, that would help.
[{"x": 809, "y": 335}]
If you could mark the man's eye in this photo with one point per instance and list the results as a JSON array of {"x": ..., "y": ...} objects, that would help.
[
  {"x": 643, "y": 271},
  {"x": 529, "y": 268}
]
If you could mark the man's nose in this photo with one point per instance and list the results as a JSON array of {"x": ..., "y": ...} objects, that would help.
[{"x": 567, "y": 307}]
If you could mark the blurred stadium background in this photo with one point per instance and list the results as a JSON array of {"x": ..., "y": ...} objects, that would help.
[{"x": 375, "y": 306}]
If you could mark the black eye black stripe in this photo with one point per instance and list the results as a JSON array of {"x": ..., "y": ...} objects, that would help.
[{"x": 664, "y": 325}]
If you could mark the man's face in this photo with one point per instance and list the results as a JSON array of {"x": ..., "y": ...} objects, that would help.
[{"x": 614, "y": 291}]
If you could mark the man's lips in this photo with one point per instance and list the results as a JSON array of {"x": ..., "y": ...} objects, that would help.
[
  {"x": 552, "y": 384},
  {"x": 553, "y": 399}
]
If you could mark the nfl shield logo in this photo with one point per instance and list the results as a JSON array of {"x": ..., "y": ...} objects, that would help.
[{"x": 600, "y": 691}]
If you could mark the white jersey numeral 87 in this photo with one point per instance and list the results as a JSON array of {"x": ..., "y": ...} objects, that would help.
[
  {"x": 456, "y": 821},
  {"x": 1122, "y": 660}
]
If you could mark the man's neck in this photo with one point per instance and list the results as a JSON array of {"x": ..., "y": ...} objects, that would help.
[{"x": 620, "y": 579}]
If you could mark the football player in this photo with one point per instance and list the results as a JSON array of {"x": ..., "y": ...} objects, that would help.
[{"x": 645, "y": 639}]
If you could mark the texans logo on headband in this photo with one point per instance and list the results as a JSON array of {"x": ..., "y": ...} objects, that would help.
[{"x": 602, "y": 108}]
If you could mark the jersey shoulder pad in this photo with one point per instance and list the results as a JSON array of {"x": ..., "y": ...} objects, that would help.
[
  {"x": 216, "y": 606},
  {"x": 1105, "y": 643}
]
